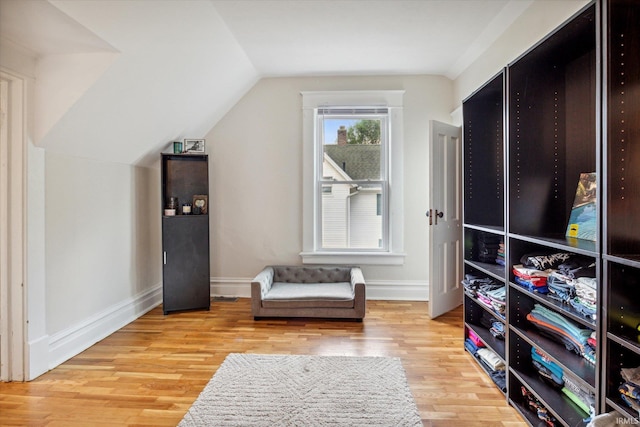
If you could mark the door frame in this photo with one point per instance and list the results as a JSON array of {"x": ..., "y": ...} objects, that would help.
[{"x": 12, "y": 229}]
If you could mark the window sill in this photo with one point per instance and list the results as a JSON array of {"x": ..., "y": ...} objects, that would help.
[{"x": 372, "y": 258}]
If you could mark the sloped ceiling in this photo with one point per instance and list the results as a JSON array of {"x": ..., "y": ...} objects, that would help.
[
  {"x": 120, "y": 80},
  {"x": 175, "y": 70}
]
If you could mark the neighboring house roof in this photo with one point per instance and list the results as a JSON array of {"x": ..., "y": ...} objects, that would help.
[{"x": 358, "y": 161}]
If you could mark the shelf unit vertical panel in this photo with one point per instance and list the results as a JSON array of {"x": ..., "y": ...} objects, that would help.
[
  {"x": 483, "y": 200},
  {"x": 621, "y": 234}
]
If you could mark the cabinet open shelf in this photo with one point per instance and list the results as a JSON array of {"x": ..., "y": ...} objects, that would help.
[
  {"x": 492, "y": 343},
  {"x": 483, "y": 155},
  {"x": 564, "y": 309},
  {"x": 567, "y": 412}
]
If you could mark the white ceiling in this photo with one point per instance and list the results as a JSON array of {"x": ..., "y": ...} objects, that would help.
[
  {"x": 309, "y": 37},
  {"x": 357, "y": 37}
]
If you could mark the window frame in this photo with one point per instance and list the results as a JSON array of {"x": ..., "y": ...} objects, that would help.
[{"x": 392, "y": 252}]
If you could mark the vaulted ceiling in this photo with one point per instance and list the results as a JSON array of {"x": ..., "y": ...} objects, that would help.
[{"x": 120, "y": 80}]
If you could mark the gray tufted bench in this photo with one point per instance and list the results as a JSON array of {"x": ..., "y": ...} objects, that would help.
[{"x": 309, "y": 291}]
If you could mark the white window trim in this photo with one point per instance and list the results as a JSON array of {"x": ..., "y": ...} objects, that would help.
[{"x": 392, "y": 99}]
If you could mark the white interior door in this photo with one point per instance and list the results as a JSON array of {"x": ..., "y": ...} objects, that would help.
[{"x": 444, "y": 216}]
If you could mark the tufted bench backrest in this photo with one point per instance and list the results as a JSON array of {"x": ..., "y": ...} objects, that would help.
[{"x": 296, "y": 274}]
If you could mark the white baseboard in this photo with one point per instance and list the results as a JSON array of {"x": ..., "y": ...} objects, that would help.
[
  {"x": 73, "y": 340},
  {"x": 37, "y": 357},
  {"x": 398, "y": 290}
]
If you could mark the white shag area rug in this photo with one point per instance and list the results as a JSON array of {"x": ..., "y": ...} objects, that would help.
[{"x": 294, "y": 390}]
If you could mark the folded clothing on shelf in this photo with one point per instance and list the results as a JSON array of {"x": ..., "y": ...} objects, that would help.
[
  {"x": 488, "y": 292},
  {"x": 487, "y": 247},
  {"x": 470, "y": 346},
  {"x": 490, "y": 359},
  {"x": 538, "y": 408},
  {"x": 557, "y": 327},
  {"x": 533, "y": 279},
  {"x": 500, "y": 379},
  {"x": 500, "y": 256},
  {"x": 548, "y": 370},
  {"x": 497, "y": 329},
  {"x": 581, "y": 396},
  {"x": 571, "y": 282},
  {"x": 630, "y": 389},
  {"x": 475, "y": 338}
]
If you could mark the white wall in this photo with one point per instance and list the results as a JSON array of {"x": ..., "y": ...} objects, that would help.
[
  {"x": 102, "y": 249},
  {"x": 256, "y": 177}
]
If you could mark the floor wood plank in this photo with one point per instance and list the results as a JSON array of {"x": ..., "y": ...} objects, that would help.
[{"x": 152, "y": 370}]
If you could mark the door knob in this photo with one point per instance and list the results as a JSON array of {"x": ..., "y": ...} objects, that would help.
[{"x": 438, "y": 215}]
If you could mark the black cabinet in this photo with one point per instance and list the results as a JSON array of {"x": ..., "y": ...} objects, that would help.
[{"x": 185, "y": 235}]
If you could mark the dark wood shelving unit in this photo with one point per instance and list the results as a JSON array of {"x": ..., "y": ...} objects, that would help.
[
  {"x": 185, "y": 238},
  {"x": 567, "y": 106}
]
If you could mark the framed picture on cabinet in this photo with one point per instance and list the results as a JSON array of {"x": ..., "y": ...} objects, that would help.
[
  {"x": 200, "y": 204},
  {"x": 193, "y": 146}
]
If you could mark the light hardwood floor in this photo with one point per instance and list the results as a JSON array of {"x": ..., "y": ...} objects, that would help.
[{"x": 151, "y": 371}]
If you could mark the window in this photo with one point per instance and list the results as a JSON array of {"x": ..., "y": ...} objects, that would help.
[
  {"x": 350, "y": 192},
  {"x": 353, "y": 144}
]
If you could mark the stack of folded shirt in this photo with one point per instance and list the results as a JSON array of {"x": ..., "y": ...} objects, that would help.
[
  {"x": 538, "y": 408},
  {"x": 531, "y": 278},
  {"x": 500, "y": 258},
  {"x": 630, "y": 389},
  {"x": 490, "y": 359},
  {"x": 487, "y": 247},
  {"x": 549, "y": 371},
  {"x": 488, "y": 292},
  {"x": 497, "y": 298},
  {"x": 473, "y": 343},
  {"x": 497, "y": 329},
  {"x": 500, "y": 379},
  {"x": 592, "y": 340},
  {"x": 472, "y": 283},
  {"x": 586, "y": 296},
  {"x": 584, "y": 399},
  {"x": 562, "y": 330},
  {"x": 494, "y": 326},
  {"x": 560, "y": 287}
]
